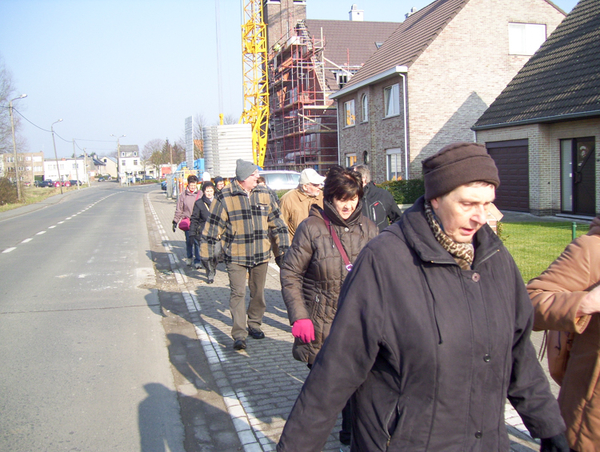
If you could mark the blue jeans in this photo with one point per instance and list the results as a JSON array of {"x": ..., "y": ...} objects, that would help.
[{"x": 192, "y": 248}]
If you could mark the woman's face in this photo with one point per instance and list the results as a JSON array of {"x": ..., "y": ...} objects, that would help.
[
  {"x": 192, "y": 186},
  {"x": 345, "y": 208},
  {"x": 209, "y": 192}
]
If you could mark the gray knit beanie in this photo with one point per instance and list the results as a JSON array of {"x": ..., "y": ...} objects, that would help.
[
  {"x": 244, "y": 169},
  {"x": 455, "y": 165}
]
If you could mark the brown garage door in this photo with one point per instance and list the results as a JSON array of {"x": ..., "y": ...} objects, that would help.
[{"x": 512, "y": 160}]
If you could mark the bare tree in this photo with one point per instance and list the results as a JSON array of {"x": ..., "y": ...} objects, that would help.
[
  {"x": 7, "y": 92},
  {"x": 230, "y": 119},
  {"x": 146, "y": 156}
]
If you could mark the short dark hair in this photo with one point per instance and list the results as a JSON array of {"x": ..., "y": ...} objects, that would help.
[
  {"x": 261, "y": 180},
  {"x": 192, "y": 178},
  {"x": 207, "y": 184},
  {"x": 342, "y": 183}
]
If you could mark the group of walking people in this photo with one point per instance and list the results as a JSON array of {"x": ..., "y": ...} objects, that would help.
[{"x": 416, "y": 327}]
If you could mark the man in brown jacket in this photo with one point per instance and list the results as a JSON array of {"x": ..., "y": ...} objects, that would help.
[
  {"x": 296, "y": 204},
  {"x": 566, "y": 297}
]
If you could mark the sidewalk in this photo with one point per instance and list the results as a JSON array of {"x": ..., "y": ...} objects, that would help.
[{"x": 241, "y": 398}]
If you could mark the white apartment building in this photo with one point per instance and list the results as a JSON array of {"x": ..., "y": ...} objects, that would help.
[{"x": 69, "y": 169}]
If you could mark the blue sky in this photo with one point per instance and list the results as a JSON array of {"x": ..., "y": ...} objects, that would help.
[{"x": 136, "y": 67}]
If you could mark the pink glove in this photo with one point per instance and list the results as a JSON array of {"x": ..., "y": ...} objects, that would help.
[{"x": 304, "y": 330}]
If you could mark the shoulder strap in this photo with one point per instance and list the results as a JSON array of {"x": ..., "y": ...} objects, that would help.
[{"x": 337, "y": 242}]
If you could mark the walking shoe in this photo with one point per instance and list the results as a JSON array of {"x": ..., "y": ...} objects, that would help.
[
  {"x": 256, "y": 334},
  {"x": 197, "y": 265},
  {"x": 210, "y": 281},
  {"x": 188, "y": 261},
  {"x": 239, "y": 344}
]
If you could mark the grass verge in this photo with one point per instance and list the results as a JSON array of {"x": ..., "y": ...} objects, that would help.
[
  {"x": 33, "y": 195},
  {"x": 534, "y": 246}
]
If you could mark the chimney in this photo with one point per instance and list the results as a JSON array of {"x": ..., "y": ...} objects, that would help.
[
  {"x": 412, "y": 11},
  {"x": 356, "y": 15}
]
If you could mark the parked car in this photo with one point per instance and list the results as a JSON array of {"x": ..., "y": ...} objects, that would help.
[
  {"x": 163, "y": 185},
  {"x": 66, "y": 183},
  {"x": 100, "y": 179},
  {"x": 281, "y": 180},
  {"x": 43, "y": 183},
  {"x": 74, "y": 182}
]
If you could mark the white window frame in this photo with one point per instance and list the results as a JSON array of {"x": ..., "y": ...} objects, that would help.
[
  {"x": 364, "y": 104},
  {"x": 349, "y": 113},
  {"x": 391, "y": 100},
  {"x": 393, "y": 164},
  {"x": 525, "y": 39}
]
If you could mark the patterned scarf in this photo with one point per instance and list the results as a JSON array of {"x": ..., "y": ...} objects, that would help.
[{"x": 463, "y": 253}]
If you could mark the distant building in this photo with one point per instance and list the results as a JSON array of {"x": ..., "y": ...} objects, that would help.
[
  {"x": 129, "y": 161},
  {"x": 110, "y": 166},
  {"x": 30, "y": 166},
  {"x": 308, "y": 61},
  {"x": 69, "y": 169}
]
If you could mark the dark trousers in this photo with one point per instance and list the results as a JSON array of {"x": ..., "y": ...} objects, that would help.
[
  {"x": 257, "y": 277},
  {"x": 191, "y": 245}
]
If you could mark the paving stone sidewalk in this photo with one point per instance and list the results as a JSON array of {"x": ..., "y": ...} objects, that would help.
[{"x": 232, "y": 400}]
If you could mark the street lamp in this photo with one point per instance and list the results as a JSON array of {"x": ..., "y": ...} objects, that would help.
[
  {"x": 12, "y": 125},
  {"x": 118, "y": 156},
  {"x": 56, "y": 156}
]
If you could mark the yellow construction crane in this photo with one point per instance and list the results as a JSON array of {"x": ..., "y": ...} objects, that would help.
[{"x": 256, "y": 80}]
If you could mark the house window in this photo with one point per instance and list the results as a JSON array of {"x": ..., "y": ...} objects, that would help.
[
  {"x": 135, "y": 163},
  {"x": 364, "y": 104},
  {"x": 123, "y": 162},
  {"x": 394, "y": 164},
  {"x": 350, "y": 116},
  {"x": 350, "y": 160},
  {"x": 391, "y": 99},
  {"x": 122, "y": 154},
  {"x": 525, "y": 39}
]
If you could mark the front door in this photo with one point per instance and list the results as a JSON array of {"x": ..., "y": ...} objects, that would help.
[{"x": 578, "y": 176}]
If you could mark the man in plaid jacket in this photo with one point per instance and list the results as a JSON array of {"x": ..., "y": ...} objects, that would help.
[{"x": 243, "y": 217}]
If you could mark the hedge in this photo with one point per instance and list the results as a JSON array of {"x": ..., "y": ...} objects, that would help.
[{"x": 405, "y": 191}]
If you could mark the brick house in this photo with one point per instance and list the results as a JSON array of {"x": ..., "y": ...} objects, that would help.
[
  {"x": 433, "y": 78},
  {"x": 543, "y": 130},
  {"x": 308, "y": 61}
]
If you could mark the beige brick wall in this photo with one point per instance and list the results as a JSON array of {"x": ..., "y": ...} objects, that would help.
[
  {"x": 449, "y": 86},
  {"x": 461, "y": 73},
  {"x": 544, "y": 158}
]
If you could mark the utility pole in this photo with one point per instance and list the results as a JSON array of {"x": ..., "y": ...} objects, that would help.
[
  {"x": 12, "y": 125},
  {"x": 76, "y": 164},
  {"x": 87, "y": 173},
  {"x": 56, "y": 156}
]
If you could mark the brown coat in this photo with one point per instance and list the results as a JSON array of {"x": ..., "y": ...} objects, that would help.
[
  {"x": 556, "y": 295},
  {"x": 313, "y": 271},
  {"x": 295, "y": 206}
]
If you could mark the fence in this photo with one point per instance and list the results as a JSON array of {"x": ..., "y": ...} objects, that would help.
[{"x": 535, "y": 245}]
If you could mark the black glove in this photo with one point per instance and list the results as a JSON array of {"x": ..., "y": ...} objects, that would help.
[
  {"x": 279, "y": 260},
  {"x": 174, "y": 225},
  {"x": 557, "y": 443}
]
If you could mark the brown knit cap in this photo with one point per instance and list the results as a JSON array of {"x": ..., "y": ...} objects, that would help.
[{"x": 455, "y": 165}]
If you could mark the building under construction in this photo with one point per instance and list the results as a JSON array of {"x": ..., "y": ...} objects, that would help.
[{"x": 308, "y": 61}]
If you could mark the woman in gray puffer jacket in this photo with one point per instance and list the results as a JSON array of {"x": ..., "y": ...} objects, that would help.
[{"x": 314, "y": 269}]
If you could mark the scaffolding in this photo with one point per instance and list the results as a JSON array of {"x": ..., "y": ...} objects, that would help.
[{"x": 303, "y": 123}]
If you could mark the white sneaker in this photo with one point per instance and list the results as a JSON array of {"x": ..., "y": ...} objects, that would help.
[{"x": 188, "y": 261}]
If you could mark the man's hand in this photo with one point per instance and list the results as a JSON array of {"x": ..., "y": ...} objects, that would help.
[
  {"x": 556, "y": 443},
  {"x": 279, "y": 260},
  {"x": 590, "y": 304},
  {"x": 174, "y": 225}
]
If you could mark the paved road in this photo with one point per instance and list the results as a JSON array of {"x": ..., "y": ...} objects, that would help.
[{"x": 82, "y": 346}]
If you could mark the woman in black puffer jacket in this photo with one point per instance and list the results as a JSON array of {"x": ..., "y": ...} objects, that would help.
[{"x": 314, "y": 269}]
